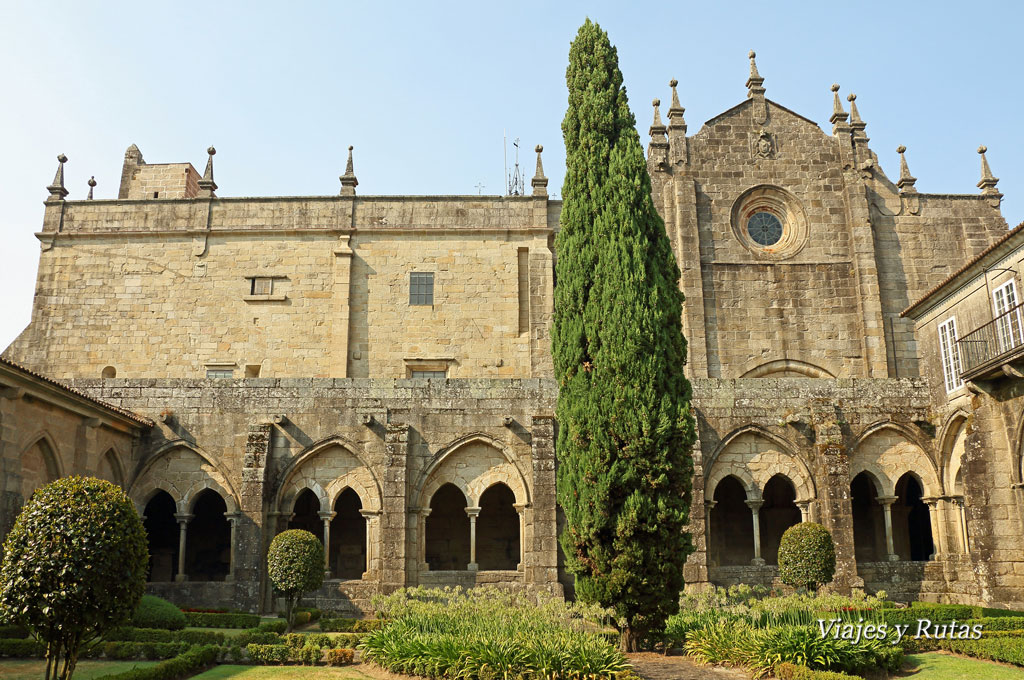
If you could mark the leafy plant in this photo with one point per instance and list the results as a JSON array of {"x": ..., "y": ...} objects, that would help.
[
  {"x": 295, "y": 563},
  {"x": 154, "y": 612},
  {"x": 807, "y": 556},
  {"x": 74, "y": 567}
]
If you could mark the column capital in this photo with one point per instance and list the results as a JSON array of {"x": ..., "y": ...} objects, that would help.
[
  {"x": 473, "y": 512},
  {"x": 233, "y": 516},
  {"x": 754, "y": 505},
  {"x": 710, "y": 504},
  {"x": 930, "y": 501},
  {"x": 326, "y": 515},
  {"x": 369, "y": 514},
  {"x": 886, "y": 500},
  {"x": 183, "y": 517},
  {"x": 520, "y": 507},
  {"x": 422, "y": 512}
]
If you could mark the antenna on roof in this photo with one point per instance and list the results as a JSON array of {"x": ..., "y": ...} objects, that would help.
[{"x": 516, "y": 184}]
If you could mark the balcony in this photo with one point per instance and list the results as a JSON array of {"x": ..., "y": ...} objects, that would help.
[{"x": 986, "y": 350}]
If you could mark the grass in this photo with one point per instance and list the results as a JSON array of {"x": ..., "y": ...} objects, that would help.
[
  {"x": 33, "y": 669},
  {"x": 226, "y": 671},
  {"x": 935, "y": 666}
]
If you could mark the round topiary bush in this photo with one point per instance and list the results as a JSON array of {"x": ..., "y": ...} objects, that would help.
[
  {"x": 154, "y": 612},
  {"x": 295, "y": 563},
  {"x": 74, "y": 566},
  {"x": 807, "y": 556}
]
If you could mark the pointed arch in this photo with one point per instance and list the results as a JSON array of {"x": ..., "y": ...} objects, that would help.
[
  {"x": 301, "y": 472},
  {"x": 754, "y": 455},
  {"x": 182, "y": 486},
  {"x": 50, "y": 450},
  {"x": 905, "y": 431},
  {"x": 787, "y": 367},
  {"x": 112, "y": 460},
  {"x": 492, "y": 463},
  {"x": 39, "y": 464},
  {"x": 888, "y": 450},
  {"x": 952, "y": 451}
]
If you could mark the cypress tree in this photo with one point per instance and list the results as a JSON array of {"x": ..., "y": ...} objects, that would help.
[{"x": 625, "y": 425}]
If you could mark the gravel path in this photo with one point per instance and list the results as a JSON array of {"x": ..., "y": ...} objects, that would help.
[{"x": 659, "y": 667}]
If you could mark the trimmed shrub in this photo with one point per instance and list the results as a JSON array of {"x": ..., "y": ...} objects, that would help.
[
  {"x": 268, "y": 654},
  {"x": 212, "y": 620},
  {"x": 255, "y": 636},
  {"x": 985, "y": 612},
  {"x": 314, "y": 613},
  {"x": 180, "y": 666},
  {"x": 154, "y": 612},
  {"x": 13, "y": 632},
  {"x": 236, "y": 653},
  {"x": 1005, "y": 649},
  {"x": 295, "y": 563},
  {"x": 150, "y": 651},
  {"x": 301, "y": 618},
  {"x": 1000, "y": 623},
  {"x": 130, "y": 634},
  {"x": 340, "y": 657},
  {"x": 788, "y": 671},
  {"x": 74, "y": 565},
  {"x": 320, "y": 640},
  {"x": 807, "y": 556},
  {"x": 294, "y": 640},
  {"x": 344, "y": 625},
  {"x": 21, "y": 648},
  {"x": 347, "y": 640},
  {"x": 273, "y": 626},
  {"x": 308, "y": 655}
]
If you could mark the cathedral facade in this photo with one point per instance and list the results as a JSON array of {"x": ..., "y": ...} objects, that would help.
[{"x": 377, "y": 370}]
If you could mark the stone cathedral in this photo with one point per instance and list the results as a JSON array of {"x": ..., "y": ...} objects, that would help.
[{"x": 377, "y": 369}]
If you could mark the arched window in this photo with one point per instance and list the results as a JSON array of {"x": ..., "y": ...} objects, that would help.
[
  {"x": 778, "y": 513},
  {"x": 497, "y": 529},
  {"x": 447, "y": 540},
  {"x": 348, "y": 537},
  {"x": 162, "y": 533},
  {"x": 208, "y": 540},
  {"x": 911, "y": 522},
  {"x": 732, "y": 528},
  {"x": 868, "y": 520},
  {"x": 109, "y": 372},
  {"x": 306, "y": 514}
]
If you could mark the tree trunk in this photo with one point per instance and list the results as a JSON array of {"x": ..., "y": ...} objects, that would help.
[{"x": 629, "y": 640}]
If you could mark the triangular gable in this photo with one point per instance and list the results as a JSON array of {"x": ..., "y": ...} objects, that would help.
[{"x": 736, "y": 108}]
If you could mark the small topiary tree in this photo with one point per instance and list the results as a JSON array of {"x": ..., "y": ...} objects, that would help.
[
  {"x": 74, "y": 567},
  {"x": 807, "y": 556},
  {"x": 296, "y": 566}
]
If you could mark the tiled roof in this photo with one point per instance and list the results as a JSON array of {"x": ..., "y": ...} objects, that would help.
[{"x": 141, "y": 420}]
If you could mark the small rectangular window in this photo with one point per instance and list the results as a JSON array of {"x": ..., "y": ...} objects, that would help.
[
  {"x": 950, "y": 355},
  {"x": 220, "y": 373},
  {"x": 427, "y": 375},
  {"x": 261, "y": 286},
  {"x": 421, "y": 288}
]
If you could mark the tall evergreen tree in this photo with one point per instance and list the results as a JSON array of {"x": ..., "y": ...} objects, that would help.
[{"x": 625, "y": 426}]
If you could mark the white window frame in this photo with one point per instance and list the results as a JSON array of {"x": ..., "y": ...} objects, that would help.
[
  {"x": 1009, "y": 329},
  {"x": 950, "y": 353}
]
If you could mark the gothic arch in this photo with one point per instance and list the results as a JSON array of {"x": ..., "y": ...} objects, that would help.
[
  {"x": 784, "y": 366},
  {"x": 183, "y": 486},
  {"x": 953, "y": 450},
  {"x": 333, "y": 482},
  {"x": 113, "y": 460},
  {"x": 51, "y": 454},
  {"x": 38, "y": 464},
  {"x": 888, "y": 450},
  {"x": 740, "y": 476},
  {"x": 905, "y": 431},
  {"x": 499, "y": 466},
  {"x": 754, "y": 455}
]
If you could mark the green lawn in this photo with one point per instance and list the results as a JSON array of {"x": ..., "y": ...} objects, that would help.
[
  {"x": 229, "y": 672},
  {"x": 33, "y": 669},
  {"x": 934, "y": 666}
]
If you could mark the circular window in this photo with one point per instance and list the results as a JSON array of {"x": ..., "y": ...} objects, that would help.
[
  {"x": 769, "y": 222},
  {"x": 764, "y": 228}
]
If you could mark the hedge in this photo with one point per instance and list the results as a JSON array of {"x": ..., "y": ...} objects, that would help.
[
  {"x": 255, "y": 636},
  {"x": 1000, "y": 623},
  {"x": 349, "y": 625},
  {"x": 150, "y": 651},
  {"x": 273, "y": 626},
  {"x": 180, "y": 666},
  {"x": 20, "y": 648},
  {"x": 346, "y": 640},
  {"x": 788, "y": 671},
  {"x": 340, "y": 657},
  {"x": 210, "y": 620},
  {"x": 267, "y": 654},
  {"x": 193, "y": 637},
  {"x": 1005, "y": 649},
  {"x": 13, "y": 632}
]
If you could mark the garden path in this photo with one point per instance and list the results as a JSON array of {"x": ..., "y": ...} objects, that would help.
[{"x": 651, "y": 666}]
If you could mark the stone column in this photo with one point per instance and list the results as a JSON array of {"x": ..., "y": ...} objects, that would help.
[
  {"x": 252, "y": 540},
  {"x": 521, "y": 511},
  {"x": 370, "y": 516},
  {"x": 886, "y": 503},
  {"x": 233, "y": 518},
  {"x": 473, "y": 513},
  {"x": 542, "y": 555},
  {"x": 183, "y": 520},
  {"x": 395, "y": 569},
  {"x": 755, "y": 508},
  {"x": 422, "y": 538},
  {"x": 805, "y": 510},
  {"x": 933, "y": 514},
  {"x": 961, "y": 520},
  {"x": 327, "y": 516},
  {"x": 708, "y": 507}
]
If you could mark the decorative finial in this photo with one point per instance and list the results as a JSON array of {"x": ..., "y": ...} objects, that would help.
[
  {"x": 838, "y": 113},
  {"x": 988, "y": 181},
  {"x": 56, "y": 189},
  {"x": 348, "y": 180},
  {"x": 539, "y": 181},
  {"x": 92, "y": 185},
  {"x": 855, "y": 120},
  {"x": 755, "y": 81},
  {"x": 658, "y": 128},
  {"x": 906, "y": 181},
  {"x": 206, "y": 185}
]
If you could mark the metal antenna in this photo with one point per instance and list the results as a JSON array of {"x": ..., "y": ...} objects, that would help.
[{"x": 480, "y": 188}]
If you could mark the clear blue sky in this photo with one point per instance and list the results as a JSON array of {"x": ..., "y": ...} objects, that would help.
[{"x": 424, "y": 91}]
